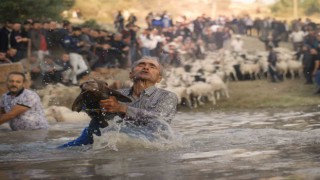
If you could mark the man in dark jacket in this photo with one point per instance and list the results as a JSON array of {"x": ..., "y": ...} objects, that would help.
[
  {"x": 272, "y": 60},
  {"x": 6, "y": 36},
  {"x": 38, "y": 39}
]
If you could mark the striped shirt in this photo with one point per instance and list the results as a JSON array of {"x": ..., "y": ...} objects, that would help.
[{"x": 153, "y": 104}]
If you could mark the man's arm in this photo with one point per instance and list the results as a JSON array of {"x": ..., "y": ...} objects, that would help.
[
  {"x": 16, "y": 111},
  {"x": 2, "y": 111},
  {"x": 316, "y": 67},
  {"x": 165, "y": 109}
]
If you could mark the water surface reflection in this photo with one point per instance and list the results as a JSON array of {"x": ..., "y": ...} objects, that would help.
[{"x": 259, "y": 144}]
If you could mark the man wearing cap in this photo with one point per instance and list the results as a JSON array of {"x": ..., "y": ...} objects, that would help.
[
  {"x": 149, "y": 103},
  {"x": 237, "y": 44}
]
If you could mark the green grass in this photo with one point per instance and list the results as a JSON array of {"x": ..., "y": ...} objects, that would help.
[{"x": 264, "y": 94}]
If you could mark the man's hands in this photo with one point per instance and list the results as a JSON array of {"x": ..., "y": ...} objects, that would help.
[{"x": 112, "y": 105}]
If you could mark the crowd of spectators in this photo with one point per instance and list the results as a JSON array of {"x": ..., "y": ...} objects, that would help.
[{"x": 62, "y": 52}]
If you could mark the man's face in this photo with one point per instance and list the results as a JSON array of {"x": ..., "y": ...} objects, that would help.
[
  {"x": 77, "y": 33},
  {"x": 155, "y": 31},
  {"x": 118, "y": 37},
  {"x": 65, "y": 58},
  {"x": 146, "y": 69},
  {"x": 313, "y": 51},
  {"x": 94, "y": 33},
  {"x": 9, "y": 25},
  {"x": 85, "y": 30},
  {"x": 37, "y": 26},
  {"x": 2, "y": 56},
  {"x": 102, "y": 34},
  {"x": 16, "y": 26},
  {"x": 305, "y": 48},
  {"x": 46, "y": 26},
  {"x": 27, "y": 26},
  {"x": 15, "y": 83},
  {"x": 53, "y": 25}
]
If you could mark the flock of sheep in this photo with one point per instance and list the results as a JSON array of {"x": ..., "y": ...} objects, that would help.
[{"x": 195, "y": 82}]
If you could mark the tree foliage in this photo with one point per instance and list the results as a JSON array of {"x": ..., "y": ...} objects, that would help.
[
  {"x": 92, "y": 24},
  {"x": 281, "y": 5},
  {"x": 309, "y": 7},
  {"x": 35, "y": 9}
]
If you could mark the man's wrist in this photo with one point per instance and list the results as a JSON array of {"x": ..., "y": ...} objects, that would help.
[{"x": 124, "y": 108}]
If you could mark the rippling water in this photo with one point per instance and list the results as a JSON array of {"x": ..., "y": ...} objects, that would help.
[{"x": 207, "y": 145}]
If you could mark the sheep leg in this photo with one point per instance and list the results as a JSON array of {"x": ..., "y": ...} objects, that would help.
[
  {"x": 234, "y": 74},
  {"x": 200, "y": 101},
  {"x": 217, "y": 93},
  {"x": 195, "y": 101},
  {"x": 188, "y": 102},
  {"x": 291, "y": 74},
  {"x": 300, "y": 72},
  {"x": 226, "y": 92},
  {"x": 212, "y": 99},
  {"x": 284, "y": 75}
]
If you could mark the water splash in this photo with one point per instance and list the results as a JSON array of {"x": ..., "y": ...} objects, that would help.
[{"x": 156, "y": 135}]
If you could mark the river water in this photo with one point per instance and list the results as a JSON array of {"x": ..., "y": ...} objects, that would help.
[{"x": 208, "y": 144}]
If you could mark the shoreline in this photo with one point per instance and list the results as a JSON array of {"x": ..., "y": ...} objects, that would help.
[{"x": 264, "y": 95}]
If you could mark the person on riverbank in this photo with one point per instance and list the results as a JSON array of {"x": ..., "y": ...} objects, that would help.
[
  {"x": 316, "y": 74},
  {"x": 272, "y": 62},
  {"x": 237, "y": 44},
  {"x": 21, "y": 107},
  {"x": 149, "y": 103}
]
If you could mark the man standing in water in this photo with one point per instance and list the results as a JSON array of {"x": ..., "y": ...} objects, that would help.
[
  {"x": 21, "y": 107},
  {"x": 149, "y": 103}
]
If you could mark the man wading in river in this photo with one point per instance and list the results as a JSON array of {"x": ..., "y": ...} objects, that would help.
[
  {"x": 21, "y": 107},
  {"x": 149, "y": 103}
]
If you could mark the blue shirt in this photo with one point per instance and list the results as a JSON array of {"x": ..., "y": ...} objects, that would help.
[{"x": 153, "y": 104}]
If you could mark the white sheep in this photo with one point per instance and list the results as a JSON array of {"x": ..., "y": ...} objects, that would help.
[
  {"x": 199, "y": 90},
  {"x": 282, "y": 68},
  {"x": 294, "y": 67},
  {"x": 250, "y": 68},
  {"x": 64, "y": 114},
  {"x": 219, "y": 88},
  {"x": 181, "y": 93}
]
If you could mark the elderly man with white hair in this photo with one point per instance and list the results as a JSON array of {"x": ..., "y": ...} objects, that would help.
[{"x": 150, "y": 105}]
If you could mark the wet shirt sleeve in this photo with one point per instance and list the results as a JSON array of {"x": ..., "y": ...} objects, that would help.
[
  {"x": 2, "y": 102},
  {"x": 28, "y": 100},
  {"x": 164, "y": 108}
]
